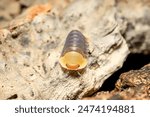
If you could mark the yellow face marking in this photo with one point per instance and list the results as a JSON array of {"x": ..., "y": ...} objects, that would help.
[
  {"x": 73, "y": 61},
  {"x": 72, "y": 66}
]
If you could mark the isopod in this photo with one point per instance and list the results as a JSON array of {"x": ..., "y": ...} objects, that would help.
[{"x": 74, "y": 54}]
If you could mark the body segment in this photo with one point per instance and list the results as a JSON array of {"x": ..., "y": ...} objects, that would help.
[{"x": 74, "y": 54}]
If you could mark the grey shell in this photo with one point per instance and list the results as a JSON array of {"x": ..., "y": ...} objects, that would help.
[{"x": 75, "y": 41}]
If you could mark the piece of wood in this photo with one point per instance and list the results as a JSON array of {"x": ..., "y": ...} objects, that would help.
[
  {"x": 29, "y": 55},
  {"x": 132, "y": 85}
]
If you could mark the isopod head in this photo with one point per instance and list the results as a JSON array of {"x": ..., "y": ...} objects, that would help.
[
  {"x": 73, "y": 56},
  {"x": 73, "y": 61}
]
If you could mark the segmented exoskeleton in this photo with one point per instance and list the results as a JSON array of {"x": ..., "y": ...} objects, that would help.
[{"x": 74, "y": 54}]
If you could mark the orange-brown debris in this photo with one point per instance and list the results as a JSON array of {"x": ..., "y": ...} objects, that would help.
[{"x": 38, "y": 9}]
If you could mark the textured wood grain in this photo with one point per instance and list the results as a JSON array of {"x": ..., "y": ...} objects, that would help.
[
  {"x": 132, "y": 85},
  {"x": 29, "y": 54}
]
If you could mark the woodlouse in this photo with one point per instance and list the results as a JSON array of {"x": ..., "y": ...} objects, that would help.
[{"x": 74, "y": 54}]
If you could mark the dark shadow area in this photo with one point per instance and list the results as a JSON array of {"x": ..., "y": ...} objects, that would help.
[
  {"x": 15, "y": 96},
  {"x": 133, "y": 62}
]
